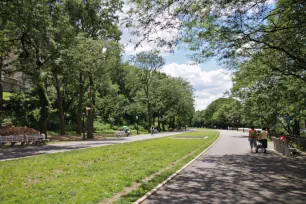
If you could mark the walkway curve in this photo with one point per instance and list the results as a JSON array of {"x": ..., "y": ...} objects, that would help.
[{"x": 229, "y": 173}]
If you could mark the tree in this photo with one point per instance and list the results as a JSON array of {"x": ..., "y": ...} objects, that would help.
[
  {"x": 148, "y": 63},
  {"x": 98, "y": 20},
  {"x": 270, "y": 99},
  {"x": 232, "y": 30},
  {"x": 35, "y": 43}
]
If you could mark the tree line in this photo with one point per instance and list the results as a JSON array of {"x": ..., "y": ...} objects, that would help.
[
  {"x": 69, "y": 53},
  {"x": 262, "y": 42}
]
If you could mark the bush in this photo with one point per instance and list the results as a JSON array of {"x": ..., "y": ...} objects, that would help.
[{"x": 101, "y": 126}]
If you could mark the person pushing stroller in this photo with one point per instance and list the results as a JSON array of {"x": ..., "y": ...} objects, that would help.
[{"x": 263, "y": 140}]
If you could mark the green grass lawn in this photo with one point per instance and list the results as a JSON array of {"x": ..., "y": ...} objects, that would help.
[
  {"x": 198, "y": 133},
  {"x": 204, "y": 129},
  {"x": 92, "y": 175},
  {"x": 111, "y": 132}
]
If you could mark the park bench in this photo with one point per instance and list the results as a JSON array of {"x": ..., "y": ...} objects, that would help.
[
  {"x": 22, "y": 139},
  {"x": 36, "y": 139},
  {"x": 12, "y": 139}
]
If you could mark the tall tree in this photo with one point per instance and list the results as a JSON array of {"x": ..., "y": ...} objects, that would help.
[
  {"x": 98, "y": 20},
  {"x": 148, "y": 63}
]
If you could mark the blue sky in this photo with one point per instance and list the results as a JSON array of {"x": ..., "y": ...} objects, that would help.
[
  {"x": 180, "y": 57},
  {"x": 209, "y": 80}
]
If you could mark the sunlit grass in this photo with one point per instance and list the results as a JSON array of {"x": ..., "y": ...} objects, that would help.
[
  {"x": 204, "y": 129},
  {"x": 92, "y": 175}
]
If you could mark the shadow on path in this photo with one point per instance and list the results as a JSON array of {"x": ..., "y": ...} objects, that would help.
[{"x": 242, "y": 178}]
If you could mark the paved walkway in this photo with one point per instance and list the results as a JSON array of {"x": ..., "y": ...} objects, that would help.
[
  {"x": 229, "y": 173},
  {"x": 16, "y": 152}
]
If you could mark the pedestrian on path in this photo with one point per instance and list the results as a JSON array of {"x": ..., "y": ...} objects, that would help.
[
  {"x": 263, "y": 139},
  {"x": 252, "y": 138},
  {"x": 152, "y": 130}
]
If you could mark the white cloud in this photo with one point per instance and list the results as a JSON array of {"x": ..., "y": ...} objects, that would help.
[{"x": 208, "y": 85}]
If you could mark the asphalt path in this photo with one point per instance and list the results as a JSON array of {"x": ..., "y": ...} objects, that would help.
[
  {"x": 229, "y": 173},
  {"x": 20, "y": 152}
]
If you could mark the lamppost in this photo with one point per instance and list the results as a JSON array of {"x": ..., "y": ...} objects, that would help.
[{"x": 137, "y": 124}]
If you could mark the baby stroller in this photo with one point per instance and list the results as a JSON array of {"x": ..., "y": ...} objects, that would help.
[{"x": 261, "y": 144}]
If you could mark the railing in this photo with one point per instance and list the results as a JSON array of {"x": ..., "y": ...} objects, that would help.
[
  {"x": 281, "y": 146},
  {"x": 299, "y": 141},
  {"x": 287, "y": 146}
]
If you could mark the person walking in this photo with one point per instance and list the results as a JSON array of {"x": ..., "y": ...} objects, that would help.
[
  {"x": 252, "y": 138},
  {"x": 152, "y": 130},
  {"x": 263, "y": 138}
]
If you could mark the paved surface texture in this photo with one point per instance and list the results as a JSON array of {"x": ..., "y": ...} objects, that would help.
[
  {"x": 19, "y": 152},
  {"x": 229, "y": 173}
]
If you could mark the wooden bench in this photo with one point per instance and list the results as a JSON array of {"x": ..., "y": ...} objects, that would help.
[
  {"x": 22, "y": 139},
  {"x": 36, "y": 139},
  {"x": 12, "y": 139}
]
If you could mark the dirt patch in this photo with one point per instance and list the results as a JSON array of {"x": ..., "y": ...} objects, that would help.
[{"x": 12, "y": 130}]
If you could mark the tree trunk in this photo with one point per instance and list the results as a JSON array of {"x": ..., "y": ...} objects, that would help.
[
  {"x": 80, "y": 105},
  {"x": 89, "y": 115},
  {"x": 163, "y": 124},
  {"x": 93, "y": 96},
  {"x": 1, "y": 95},
  {"x": 170, "y": 123},
  {"x": 173, "y": 122},
  {"x": 1, "y": 87},
  {"x": 150, "y": 117},
  {"x": 60, "y": 105},
  {"x": 43, "y": 120},
  {"x": 296, "y": 127},
  {"x": 158, "y": 123}
]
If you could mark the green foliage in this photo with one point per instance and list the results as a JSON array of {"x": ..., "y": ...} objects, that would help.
[
  {"x": 7, "y": 95},
  {"x": 102, "y": 171},
  {"x": 221, "y": 113},
  {"x": 100, "y": 126},
  {"x": 233, "y": 30},
  {"x": 66, "y": 48},
  {"x": 24, "y": 109}
]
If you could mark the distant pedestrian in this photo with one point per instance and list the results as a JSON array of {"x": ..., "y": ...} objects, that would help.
[
  {"x": 282, "y": 137},
  {"x": 252, "y": 138},
  {"x": 152, "y": 130}
]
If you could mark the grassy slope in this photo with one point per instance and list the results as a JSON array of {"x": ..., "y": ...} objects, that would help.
[{"x": 91, "y": 175}]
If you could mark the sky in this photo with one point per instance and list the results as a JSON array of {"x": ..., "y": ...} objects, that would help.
[{"x": 209, "y": 80}]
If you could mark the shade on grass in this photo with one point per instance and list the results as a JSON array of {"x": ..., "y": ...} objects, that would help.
[{"x": 89, "y": 175}]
